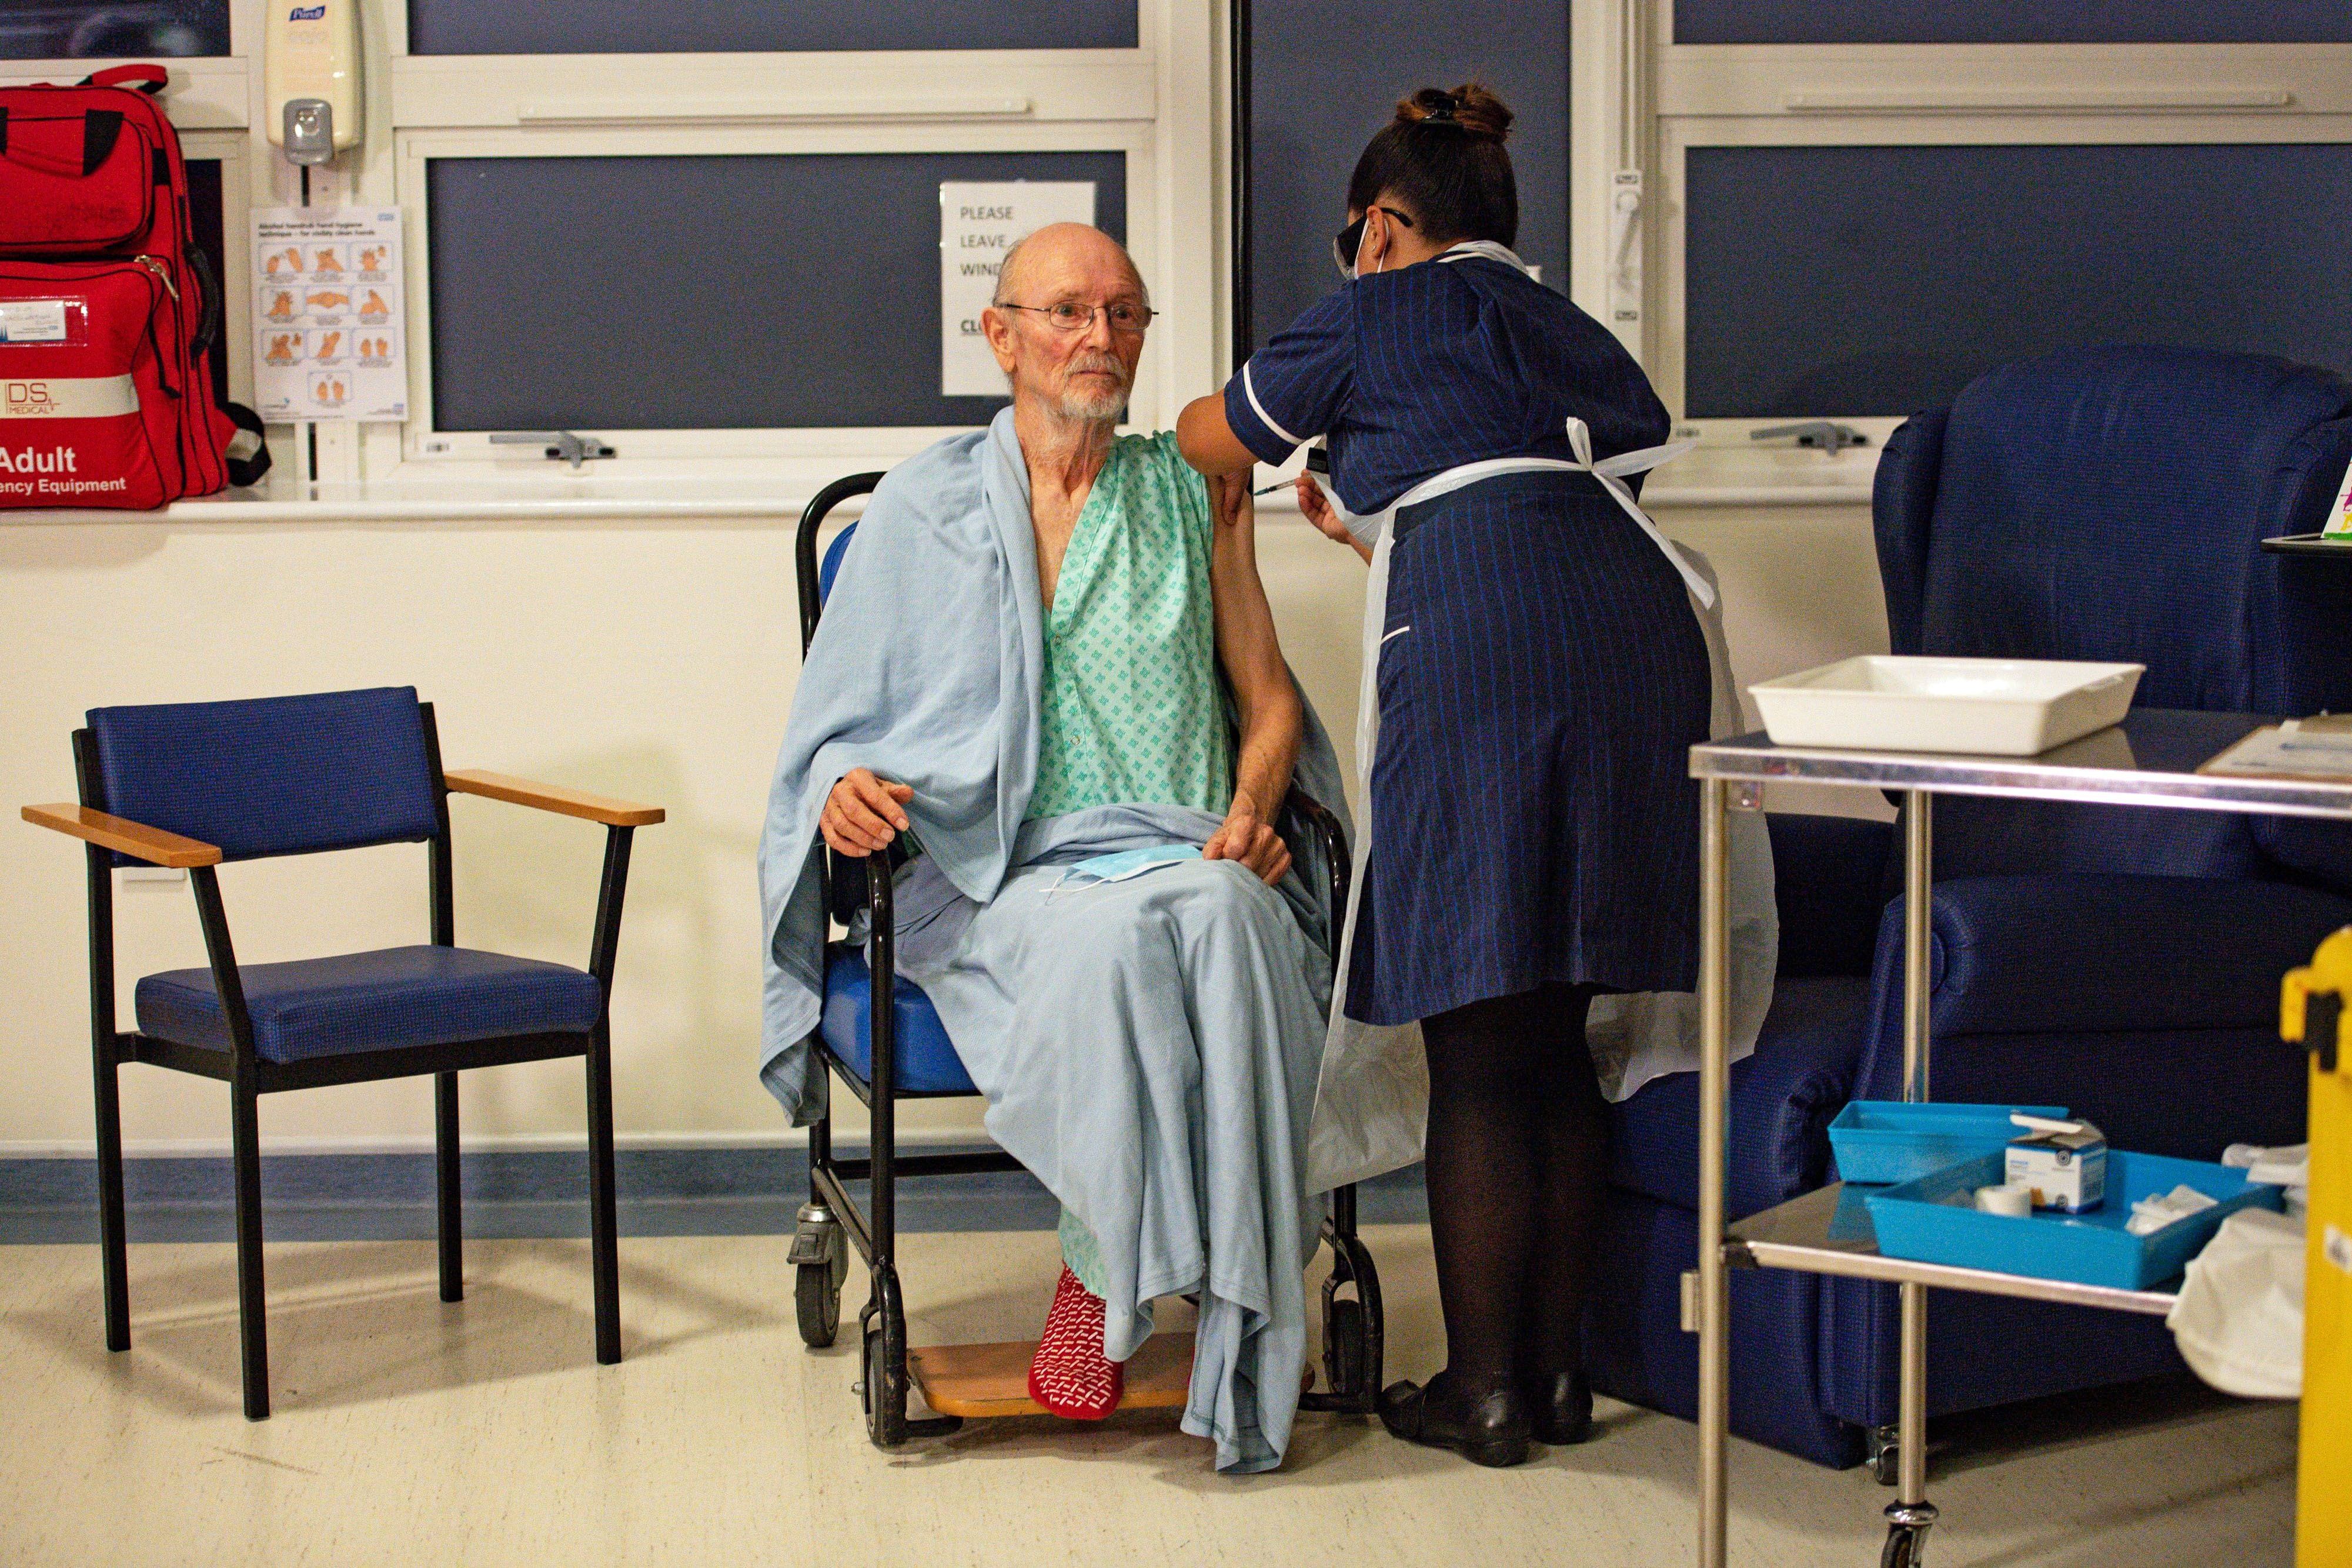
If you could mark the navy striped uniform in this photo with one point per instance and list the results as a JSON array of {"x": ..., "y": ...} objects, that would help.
[{"x": 1541, "y": 676}]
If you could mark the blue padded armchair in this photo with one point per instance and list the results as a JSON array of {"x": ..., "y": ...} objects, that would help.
[
  {"x": 198, "y": 785},
  {"x": 2099, "y": 504}
]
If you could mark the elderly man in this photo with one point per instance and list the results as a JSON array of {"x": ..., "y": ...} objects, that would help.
[{"x": 1017, "y": 676}]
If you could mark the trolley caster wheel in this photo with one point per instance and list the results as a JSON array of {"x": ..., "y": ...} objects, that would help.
[
  {"x": 1347, "y": 1350},
  {"x": 1907, "y": 1547},
  {"x": 816, "y": 1295}
]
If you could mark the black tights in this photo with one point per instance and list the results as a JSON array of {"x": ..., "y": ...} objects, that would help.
[{"x": 1518, "y": 1147}]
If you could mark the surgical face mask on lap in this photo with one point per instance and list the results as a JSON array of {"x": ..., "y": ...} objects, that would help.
[{"x": 1122, "y": 865}]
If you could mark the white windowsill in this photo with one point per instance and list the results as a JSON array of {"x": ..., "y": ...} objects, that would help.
[{"x": 765, "y": 491}]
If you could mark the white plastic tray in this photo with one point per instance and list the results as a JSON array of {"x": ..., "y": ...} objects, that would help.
[{"x": 1989, "y": 708}]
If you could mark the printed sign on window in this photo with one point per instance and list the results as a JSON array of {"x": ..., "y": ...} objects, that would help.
[
  {"x": 979, "y": 222},
  {"x": 329, "y": 333}
]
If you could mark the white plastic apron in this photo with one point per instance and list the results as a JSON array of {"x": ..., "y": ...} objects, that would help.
[{"x": 1371, "y": 1102}]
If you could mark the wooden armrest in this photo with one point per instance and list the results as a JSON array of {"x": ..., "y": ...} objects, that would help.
[
  {"x": 124, "y": 836},
  {"x": 554, "y": 797}
]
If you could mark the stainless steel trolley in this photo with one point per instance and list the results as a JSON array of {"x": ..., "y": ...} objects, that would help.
[{"x": 2150, "y": 760}]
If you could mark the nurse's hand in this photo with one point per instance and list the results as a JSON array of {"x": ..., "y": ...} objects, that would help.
[
  {"x": 1229, "y": 499},
  {"x": 862, "y": 814},
  {"x": 1318, "y": 508},
  {"x": 1248, "y": 838}
]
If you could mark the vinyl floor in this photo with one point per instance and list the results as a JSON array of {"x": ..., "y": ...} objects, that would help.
[{"x": 412, "y": 1432}]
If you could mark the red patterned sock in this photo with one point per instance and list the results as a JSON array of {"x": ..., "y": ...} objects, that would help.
[{"x": 1070, "y": 1375}]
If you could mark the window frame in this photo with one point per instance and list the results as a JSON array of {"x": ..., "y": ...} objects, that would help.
[
  {"x": 1642, "y": 101},
  {"x": 1153, "y": 103},
  {"x": 228, "y": 147},
  {"x": 422, "y": 442}
]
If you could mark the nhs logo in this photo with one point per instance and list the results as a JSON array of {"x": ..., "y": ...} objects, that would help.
[{"x": 307, "y": 13}]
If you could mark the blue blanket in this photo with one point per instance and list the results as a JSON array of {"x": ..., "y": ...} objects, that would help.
[{"x": 1148, "y": 1048}]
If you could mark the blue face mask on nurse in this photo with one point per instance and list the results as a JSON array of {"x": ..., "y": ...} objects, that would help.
[{"x": 1535, "y": 673}]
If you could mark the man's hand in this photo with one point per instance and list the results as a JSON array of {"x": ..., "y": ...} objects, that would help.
[
  {"x": 863, "y": 813},
  {"x": 1248, "y": 838},
  {"x": 1318, "y": 508}
]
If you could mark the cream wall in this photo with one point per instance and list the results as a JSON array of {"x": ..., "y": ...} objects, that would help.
[{"x": 650, "y": 661}]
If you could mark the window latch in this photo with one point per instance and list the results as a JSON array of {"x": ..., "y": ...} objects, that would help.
[
  {"x": 1816, "y": 433},
  {"x": 560, "y": 443}
]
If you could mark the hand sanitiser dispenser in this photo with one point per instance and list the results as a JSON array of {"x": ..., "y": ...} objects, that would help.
[{"x": 310, "y": 74}]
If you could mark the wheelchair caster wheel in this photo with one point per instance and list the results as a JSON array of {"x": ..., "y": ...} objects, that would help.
[
  {"x": 816, "y": 1295},
  {"x": 1347, "y": 1349}
]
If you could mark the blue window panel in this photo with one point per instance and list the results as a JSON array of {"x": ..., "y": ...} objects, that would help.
[
  {"x": 112, "y": 29},
  {"x": 1881, "y": 280},
  {"x": 2012, "y": 21},
  {"x": 1326, "y": 78},
  {"x": 705, "y": 27},
  {"x": 705, "y": 292}
]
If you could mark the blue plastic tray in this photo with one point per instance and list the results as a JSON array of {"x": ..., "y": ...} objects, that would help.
[
  {"x": 1933, "y": 1221},
  {"x": 1886, "y": 1141}
]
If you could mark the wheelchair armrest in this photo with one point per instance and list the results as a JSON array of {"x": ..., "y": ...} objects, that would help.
[
  {"x": 1331, "y": 839},
  {"x": 852, "y": 883}
]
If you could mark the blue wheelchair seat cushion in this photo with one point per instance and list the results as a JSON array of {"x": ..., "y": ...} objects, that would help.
[
  {"x": 380, "y": 1001},
  {"x": 927, "y": 1058}
]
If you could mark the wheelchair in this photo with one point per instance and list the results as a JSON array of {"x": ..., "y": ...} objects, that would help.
[{"x": 882, "y": 1039}]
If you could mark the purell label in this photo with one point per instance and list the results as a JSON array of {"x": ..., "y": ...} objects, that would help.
[{"x": 32, "y": 321}]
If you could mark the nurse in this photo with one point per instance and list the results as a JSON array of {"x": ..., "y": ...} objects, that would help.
[{"x": 1535, "y": 677}]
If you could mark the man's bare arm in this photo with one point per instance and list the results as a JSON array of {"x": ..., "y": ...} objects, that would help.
[{"x": 1252, "y": 656}]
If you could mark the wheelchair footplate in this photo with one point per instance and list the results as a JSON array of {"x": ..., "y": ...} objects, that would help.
[{"x": 993, "y": 1380}]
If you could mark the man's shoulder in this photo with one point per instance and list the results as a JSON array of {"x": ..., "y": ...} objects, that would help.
[
  {"x": 1158, "y": 456},
  {"x": 945, "y": 472}
]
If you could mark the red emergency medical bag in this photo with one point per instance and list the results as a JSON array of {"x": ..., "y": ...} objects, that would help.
[{"x": 109, "y": 313}]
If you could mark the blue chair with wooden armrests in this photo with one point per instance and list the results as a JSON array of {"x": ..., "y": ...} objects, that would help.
[{"x": 199, "y": 785}]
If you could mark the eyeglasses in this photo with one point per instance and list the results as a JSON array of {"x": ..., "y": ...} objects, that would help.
[
  {"x": 1349, "y": 240},
  {"x": 1069, "y": 315}
]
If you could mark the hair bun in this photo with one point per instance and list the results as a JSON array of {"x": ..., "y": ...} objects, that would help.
[{"x": 1469, "y": 105}]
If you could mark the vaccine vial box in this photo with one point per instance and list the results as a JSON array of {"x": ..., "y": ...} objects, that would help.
[{"x": 2067, "y": 1171}]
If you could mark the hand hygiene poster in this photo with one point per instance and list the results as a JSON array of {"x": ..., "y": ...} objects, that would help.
[
  {"x": 330, "y": 342},
  {"x": 979, "y": 222}
]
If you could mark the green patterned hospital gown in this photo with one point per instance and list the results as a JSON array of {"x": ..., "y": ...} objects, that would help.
[{"x": 1132, "y": 707}]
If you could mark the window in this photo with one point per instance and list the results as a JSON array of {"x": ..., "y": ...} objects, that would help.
[
  {"x": 1825, "y": 281},
  {"x": 708, "y": 232},
  {"x": 738, "y": 311},
  {"x": 2012, "y": 22},
  {"x": 1797, "y": 212},
  {"x": 112, "y": 29},
  {"x": 1314, "y": 106},
  {"x": 730, "y": 248},
  {"x": 761, "y": 26}
]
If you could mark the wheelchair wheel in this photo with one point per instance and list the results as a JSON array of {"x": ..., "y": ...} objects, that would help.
[
  {"x": 817, "y": 1296},
  {"x": 1347, "y": 1348}
]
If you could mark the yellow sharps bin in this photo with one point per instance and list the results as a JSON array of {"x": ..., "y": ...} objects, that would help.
[{"x": 2313, "y": 1011}]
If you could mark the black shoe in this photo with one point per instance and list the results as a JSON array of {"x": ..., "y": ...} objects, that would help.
[
  {"x": 1491, "y": 1431},
  {"x": 1559, "y": 1405}
]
